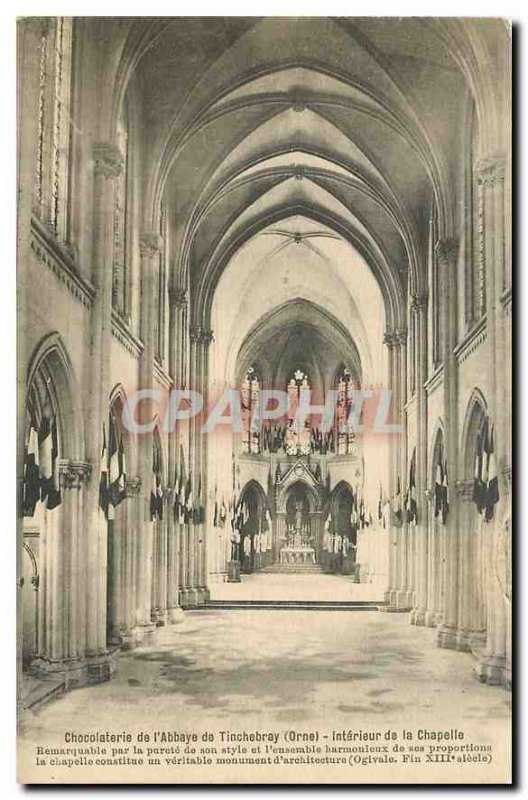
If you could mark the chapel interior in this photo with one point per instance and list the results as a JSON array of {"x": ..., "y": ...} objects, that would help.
[{"x": 294, "y": 204}]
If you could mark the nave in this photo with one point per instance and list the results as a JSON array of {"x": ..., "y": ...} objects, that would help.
[{"x": 248, "y": 209}]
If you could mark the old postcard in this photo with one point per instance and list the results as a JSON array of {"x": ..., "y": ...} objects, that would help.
[{"x": 264, "y": 400}]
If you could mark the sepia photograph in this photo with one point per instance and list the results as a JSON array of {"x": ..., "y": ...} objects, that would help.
[{"x": 264, "y": 400}]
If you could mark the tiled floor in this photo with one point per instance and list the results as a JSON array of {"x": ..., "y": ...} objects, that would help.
[{"x": 272, "y": 670}]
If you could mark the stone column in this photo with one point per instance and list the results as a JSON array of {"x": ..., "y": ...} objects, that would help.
[
  {"x": 122, "y": 547},
  {"x": 390, "y": 595},
  {"x": 419, "y": 311},
  {"x": 490, "y": 177},
  {"x": 107, "y": 166},
  {"x": 201, "y": 338},
  {"x": 131, "y": 530},
  {"x": 175, "y": 531},
  {"x": 149, "y": 245},
  {"x": 159, "y": 558},
  {"x": 446, "y": 252},
  {"x": 433, "y": 563},
  {"x": 471, "y": 621},
  {"x": 405, "y": 592},
  {"x": 62, "y": 638}
]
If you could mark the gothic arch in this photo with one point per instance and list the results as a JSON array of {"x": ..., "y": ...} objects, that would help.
[
  {"x": 51, "y": 378},
  {"x": 254, "y": 486},
  {"x": 158, "y": 451},
  {"x": 342, "y": 486},
  {"x": 327, "y": 325},
  {"x": 389, "y": 284},
  {"x": 476, "y": 413},
  {"x": 437, "y": 447},
  {"x": 117, "y": 403},
  {"x": 314, "y": 499}
]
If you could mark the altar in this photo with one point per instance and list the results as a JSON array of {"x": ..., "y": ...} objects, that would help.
[
  {"x": 297, "y": 555},
  {"x": 297, "y": 544}
]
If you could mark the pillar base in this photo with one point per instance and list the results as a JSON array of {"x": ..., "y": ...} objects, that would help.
[
  {"x": 390, "y": 597},
  {"x": 189, "y": 597},
  {"x": 159, "y": 617},
  {"x": 124, "y": 639},
  {"x": 431, "y": 619},
  {"x": 174, "y": 615},
  {"x": 145, "y": 633},
  {"x": 233, "y": 572},
  {"x": 446, "y": 636},
  {"x": 76, "y": 671},
  {"x": 404, "y": 599},
  {"x": 492, "y": 670},
  {"x": 203, "y": 595},
  {"x": 418, "y": 616},
  {"x": 463, "y": 640}
]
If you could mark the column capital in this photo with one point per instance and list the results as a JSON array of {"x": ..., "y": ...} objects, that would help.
[
  {"x": 401, "y": 336},
  {"x": 419, "y": 301},
  {"x": 446, "y": 250},
  {"x": 201, "y": 335},
  {"x": 390, "y": 339},
  {"x": 150, "y": 244},
  {"x": 74, "y": 474},
  {"x": 178, "y": 296},
  {"x": 132, "y": 486},
  {"x": 108, "y": 160},
  {"x": 395, "y": 338},
  {"x": 490, "y": 171}
]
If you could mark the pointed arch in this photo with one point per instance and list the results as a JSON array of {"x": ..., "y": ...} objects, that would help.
[
  {"x": 437, "y": 450},
  {"x": 117, "y": 402},
  {"x": 51, "y": 378},
  {"x": 476, "y": 415}
]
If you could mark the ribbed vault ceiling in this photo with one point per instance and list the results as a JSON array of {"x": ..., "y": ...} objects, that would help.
[{"x": 354, "y": 124}]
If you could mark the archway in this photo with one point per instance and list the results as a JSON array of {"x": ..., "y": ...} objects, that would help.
[
  {"x": 255, "y": 531},
  {"x": 436, "y": 566},
  {"x": 340, "y": 538},
  {"x": 119, "y": 607},
  {"x": 49, "y": 517},
  {"x": 476, "y": 547}
]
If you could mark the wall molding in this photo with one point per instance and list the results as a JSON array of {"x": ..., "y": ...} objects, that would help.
[
  {"x": 472, "y": 340},
  {"x": 436, "y": 379},
  {"x": 161, "y": 375},
  {"x": 124, "y": 335},
  {"x": 55, "y": 256}
]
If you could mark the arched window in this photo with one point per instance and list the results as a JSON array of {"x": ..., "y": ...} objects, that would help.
[
  {"x": 345, "y": 387},
  {"x": 50, "y": 195},
  {"x": 297, "y": 442},
  {"x": 250, "y": 399}
]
